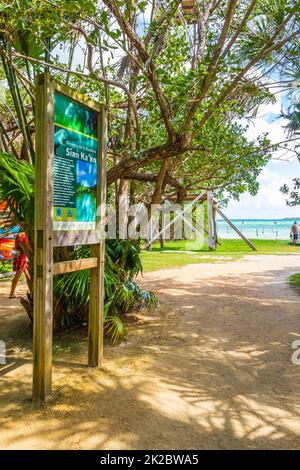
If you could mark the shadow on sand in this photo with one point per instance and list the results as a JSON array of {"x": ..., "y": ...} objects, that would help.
[{"x": 211, "y": 369}]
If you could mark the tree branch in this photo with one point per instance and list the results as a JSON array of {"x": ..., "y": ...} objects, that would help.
[
  {"x": 211, "y": 69},
  {"x": 234, "y": 83},
  {"x": 146, "y": 59}
]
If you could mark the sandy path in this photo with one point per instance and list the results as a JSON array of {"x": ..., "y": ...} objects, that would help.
[{"x": 211, "y": 369}]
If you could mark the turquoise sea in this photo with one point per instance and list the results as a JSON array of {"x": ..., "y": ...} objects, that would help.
[{"x": 271, "y": 229}]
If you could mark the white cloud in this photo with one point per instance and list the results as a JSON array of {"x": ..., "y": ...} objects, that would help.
[
  {"x": 268, "y": 121},
  {"x": 269, "y": 203}
]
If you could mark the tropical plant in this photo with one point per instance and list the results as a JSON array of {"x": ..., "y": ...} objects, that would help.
[
  {"x": 293, "y": 131},
  {"x": 122, "y": 293},
  {"x": 16, "y": 189},
  {"x": 293, "y": 117}
]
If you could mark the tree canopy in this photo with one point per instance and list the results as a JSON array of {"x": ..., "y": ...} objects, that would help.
[{"x": 179, "y": 87}]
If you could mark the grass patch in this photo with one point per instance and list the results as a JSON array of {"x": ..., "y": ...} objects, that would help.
[
  {"x": 153, "y": 261},
  {"x": 180, "y": 252},
  {"x": 294, "y": 280},
  {"x": 5, "y": 268},
  {"x": 263, "y": 247},
  {"x": 230, "y": 246}
]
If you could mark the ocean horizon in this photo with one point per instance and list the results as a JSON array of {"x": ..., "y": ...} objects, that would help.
[{"x": 269, "y": 229}]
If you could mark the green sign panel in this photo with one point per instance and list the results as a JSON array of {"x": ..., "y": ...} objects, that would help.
[{"x": 75, "y": 164}]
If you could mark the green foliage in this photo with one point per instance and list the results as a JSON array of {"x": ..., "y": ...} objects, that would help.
[
  {"x": 292, "y": 194},
  {"x": 5, "y": 268},
  {"x": 293, "y": 130},
  {"x": 293, "y": 118},
  {"x": 16, "y": 188},
  {"x": 122, "y": 294},
  {"x": 115, "y": 328},
  {"x": 294, "y": 280}
]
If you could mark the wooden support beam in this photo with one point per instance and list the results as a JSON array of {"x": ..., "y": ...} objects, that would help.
[
  {"x": 43, "y": 248},
  {"x": 236, "y": 229},
  {"x": 96, "y": 307},
  {"x": 74, "y": 265},
  {"x": 211, "y": 226},
  {"x": 75, "y": 237}
]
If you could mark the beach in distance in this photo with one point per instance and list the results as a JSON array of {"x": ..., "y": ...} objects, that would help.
[{"x": 269, "y": 229}]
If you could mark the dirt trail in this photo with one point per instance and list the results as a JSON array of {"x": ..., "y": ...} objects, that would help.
[{"x": 210, "y": 369}]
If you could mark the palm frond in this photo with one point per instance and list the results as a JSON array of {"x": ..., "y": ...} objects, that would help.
[
  {"x": 17, "y": 188},
  {"x": 115, "y": 329}
]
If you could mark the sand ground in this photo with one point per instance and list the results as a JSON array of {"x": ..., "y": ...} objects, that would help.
[{"x": 210, "y": 369}]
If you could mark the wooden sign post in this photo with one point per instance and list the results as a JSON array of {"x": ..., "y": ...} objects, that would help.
[{"x": 70, "y": 196}]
